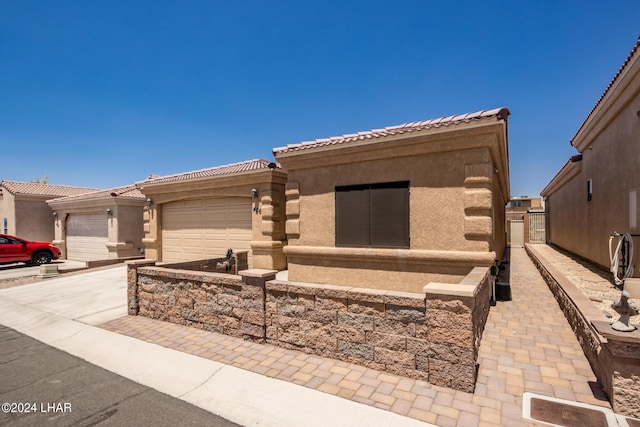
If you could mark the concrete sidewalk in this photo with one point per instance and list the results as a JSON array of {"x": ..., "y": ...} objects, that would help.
[{"x": 527, "y": 346}]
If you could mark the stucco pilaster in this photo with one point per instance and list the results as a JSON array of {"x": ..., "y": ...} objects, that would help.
[
  {"x": 292, "y": 194},
  {"x": 478, "y": 201}
]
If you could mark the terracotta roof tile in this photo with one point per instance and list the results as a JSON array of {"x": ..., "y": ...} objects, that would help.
[
  {"x": 626, "y": 62},
  {"x": 39, "y": 189},
  {"x": 500, "y": 113},
  {"x": 235, "y": 168},
  {"x": 127, "y": 191}
]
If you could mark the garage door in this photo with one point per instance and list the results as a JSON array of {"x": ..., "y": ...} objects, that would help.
[
  {"x": 205, "y": 228},
  {"x": 87, "y": 237}
]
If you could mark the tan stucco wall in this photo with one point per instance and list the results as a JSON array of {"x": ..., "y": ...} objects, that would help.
[
  {"x": 456, "y": 204},
  {"x": 126, "y": 230},
  {"x": 34, "y": 220},
  {"x": 28, "y": 217},
  {"x": 610, "y": 158},
  {"x": 268, "y": 238},
  {"x": 7, "y": 210}
]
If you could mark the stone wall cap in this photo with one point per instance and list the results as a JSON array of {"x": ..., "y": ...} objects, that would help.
[
  {"x": 450, "y": 289},
  {"x": 257, "y": 272},
  {"x": 141, "y": 262},
  {"x": 604, "y": 328},
  {"x": 402, "y": 294}
]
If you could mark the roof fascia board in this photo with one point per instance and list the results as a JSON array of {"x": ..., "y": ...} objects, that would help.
[
  {"x": 71, "y": 204},
  {"x": 34, "y": 197}
]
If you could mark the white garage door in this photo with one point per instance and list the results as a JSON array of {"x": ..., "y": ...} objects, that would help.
[
  {"x": 205, "y": 228},
  {"x": 87, "y": 237}
]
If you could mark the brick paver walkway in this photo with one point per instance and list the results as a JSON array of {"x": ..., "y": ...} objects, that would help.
[{"x": 527, "y": 346}]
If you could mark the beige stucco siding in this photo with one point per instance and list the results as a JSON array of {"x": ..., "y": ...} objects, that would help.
[
  {"x": 611, "y": 162},
  {"x": 608, "y": 142},
  {"x": 458, "y": 184},
  {"x": 35, "y": 221},
  {"x": 436, "y": 191},
  {"x": 7, "y": 210}
]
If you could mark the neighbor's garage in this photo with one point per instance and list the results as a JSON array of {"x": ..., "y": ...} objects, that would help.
[
  {"x": 87, "y": 237},
  {"x": 205, "y": 228}
]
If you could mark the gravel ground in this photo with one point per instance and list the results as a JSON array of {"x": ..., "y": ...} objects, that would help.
[
  {"x": 17, "y": 281},
  {"x": 594, "y": 282}
]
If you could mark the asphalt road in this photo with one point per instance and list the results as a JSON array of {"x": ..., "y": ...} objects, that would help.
[{"x": 43, "y": 386}]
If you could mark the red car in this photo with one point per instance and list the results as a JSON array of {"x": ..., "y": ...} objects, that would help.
[{"x": 14, "y": 249}]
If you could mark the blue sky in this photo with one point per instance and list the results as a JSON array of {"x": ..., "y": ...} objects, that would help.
[{"x": 104, "y": 93}]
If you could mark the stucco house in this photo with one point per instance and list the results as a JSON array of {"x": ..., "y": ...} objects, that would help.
[
  {"x": 24, "y": 211},
  {"x": 200, "y": 214},
  {"x": 596, "y": 191},
  {"x": 100, "y": 225},
  {"x": 398, "y": 207}
]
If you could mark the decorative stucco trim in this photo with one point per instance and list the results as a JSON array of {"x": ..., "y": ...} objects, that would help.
[{"x": 409, "y": 256}]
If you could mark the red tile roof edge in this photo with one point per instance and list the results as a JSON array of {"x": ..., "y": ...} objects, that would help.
[
  {"x": 500, "y": 113},
  {"x": 40, "y": 189},
  {"x": 230, "y": 169},
  {"x": 127, "y": 191}
]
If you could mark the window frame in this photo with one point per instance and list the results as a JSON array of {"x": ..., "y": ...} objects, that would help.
[{"x": 373, "y": 216}]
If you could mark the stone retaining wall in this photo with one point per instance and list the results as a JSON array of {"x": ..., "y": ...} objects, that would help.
[{"x": 433, "y": 336}]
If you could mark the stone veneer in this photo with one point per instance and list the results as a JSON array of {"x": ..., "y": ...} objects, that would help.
[{"x": 433, "y": 336}]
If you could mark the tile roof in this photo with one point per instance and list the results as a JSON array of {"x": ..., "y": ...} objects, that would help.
[
  {"x": 127, "y": 191},
  {"x": 499, "y": 113},
  {"x": 235, "y": 168},
  {"x": 39, "y": 189},
  {"x": 626, "y": 62}
]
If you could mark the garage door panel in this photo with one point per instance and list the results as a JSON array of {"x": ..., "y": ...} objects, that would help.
[
  {"x": 197, "y": 229},
  {"x": 87, "y": 236}
]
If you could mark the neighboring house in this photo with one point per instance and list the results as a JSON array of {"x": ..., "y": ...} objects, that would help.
[
  {"x": 525, "y": 221},
  {"x": 200, "y": 214},
  {"x": 24, "y": 211},
  {"x": 596, "y": 192},
  {"x": 399, "y": 207},
  {"x": 104, "y": 224},
  {"x": 518, "y": 206}
]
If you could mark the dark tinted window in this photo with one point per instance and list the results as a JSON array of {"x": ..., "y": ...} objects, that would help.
[{"x": 373, "y": 215}]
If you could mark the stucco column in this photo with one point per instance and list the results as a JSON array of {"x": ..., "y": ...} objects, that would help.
[{"x": 151, "y": 225}]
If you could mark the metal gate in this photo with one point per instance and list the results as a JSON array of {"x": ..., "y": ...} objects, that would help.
[{"x": 536, "y": 227}]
